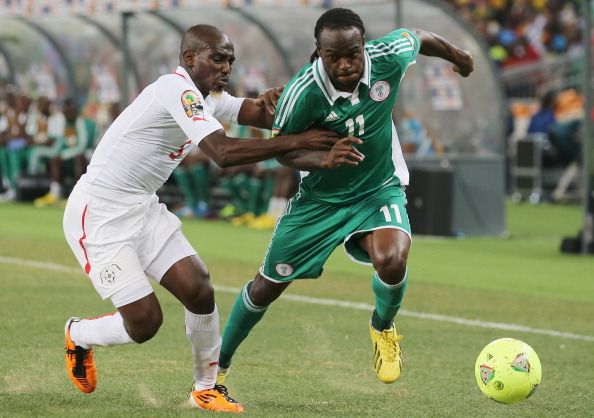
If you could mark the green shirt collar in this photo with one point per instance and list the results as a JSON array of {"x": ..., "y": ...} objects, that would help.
[{"x": 328, "y": 88}]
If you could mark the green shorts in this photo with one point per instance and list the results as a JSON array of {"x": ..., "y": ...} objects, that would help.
[{"x": 308, "y": 233}]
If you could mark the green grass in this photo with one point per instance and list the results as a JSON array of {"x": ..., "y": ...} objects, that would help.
[{"x": 306, "y": 360}]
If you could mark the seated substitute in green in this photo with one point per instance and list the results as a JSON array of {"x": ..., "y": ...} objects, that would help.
[
  {"x": 350, "y": 87},
  {"x": 69, "y": 152}
]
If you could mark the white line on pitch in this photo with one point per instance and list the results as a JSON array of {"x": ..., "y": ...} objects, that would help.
[{"x": 345, "y": 304}]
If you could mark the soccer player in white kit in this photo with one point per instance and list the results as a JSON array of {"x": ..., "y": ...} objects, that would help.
[{"x": 120, "y": 233}]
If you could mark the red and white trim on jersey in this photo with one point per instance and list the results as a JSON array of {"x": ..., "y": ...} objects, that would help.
[
  {"x": 81, "y": 243},
  {"x": 150, "y": 137}
]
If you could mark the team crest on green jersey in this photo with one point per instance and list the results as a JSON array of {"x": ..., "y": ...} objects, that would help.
[
  {"x": 380, "y": 91},
  {"x": 284, "y": 269}
]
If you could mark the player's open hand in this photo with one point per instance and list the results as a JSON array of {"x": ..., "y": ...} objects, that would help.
[
  {"x": 343, "y": 152},
  {"x": 269, "y": 98},
  {"x": 465, "y": 63},
  {"x": 316, "y": 139}
]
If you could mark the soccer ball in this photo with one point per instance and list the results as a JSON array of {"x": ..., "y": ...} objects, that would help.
[{"x": 507, "y": 370}]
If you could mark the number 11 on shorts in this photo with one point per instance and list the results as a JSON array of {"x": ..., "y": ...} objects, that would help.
[{"x": 386, "y": 211}]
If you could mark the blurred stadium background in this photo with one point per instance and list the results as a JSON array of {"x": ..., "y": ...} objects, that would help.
[
  {"x": 500, "y": 166},
  {"x": 472, "y": 140}
]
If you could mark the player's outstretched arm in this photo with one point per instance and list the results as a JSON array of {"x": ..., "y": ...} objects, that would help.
[
  {"x": 227, "y": 151},
  {"x": 343, "y": 152},
  {"x": 434, "y": 45},
  {"x": 260, "y": 112}
]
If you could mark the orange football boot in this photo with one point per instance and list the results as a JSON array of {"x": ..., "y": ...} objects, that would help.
[
  {"x": 80, "y": 365},
  {"x": 215, "y": 399}
]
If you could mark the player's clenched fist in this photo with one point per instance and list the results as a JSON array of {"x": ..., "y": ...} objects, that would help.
[
  {"x": 269, "y": 98},
  {"x": 464, "y": 63}
]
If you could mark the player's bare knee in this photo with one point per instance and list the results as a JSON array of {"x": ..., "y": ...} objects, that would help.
[
  {"x": 142, "y": 329},
  {"x": 392, "y": 267},
  {"x": 200, "y": 295},
  {"x": 263, "y": 291}
]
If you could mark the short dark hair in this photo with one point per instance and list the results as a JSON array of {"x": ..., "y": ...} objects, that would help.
[{"x": 334, "y": 19}]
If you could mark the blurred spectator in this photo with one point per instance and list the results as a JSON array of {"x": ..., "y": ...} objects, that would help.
[
  {"x": 520, "y": 52},
  {"x": 541, "y": 123},
  {"x": 243, "y": 184},
  {"x": 43, "y": 127},
  {"x": 284, "y": 180},
  {"x": 544, "y": 118},
  {"x": 414, "y": 138},
  {"x": 192, "y": 177},
  {"x": 77, "y": 137},
  {"x": 565, "y": 137},
  {"x": 13, "y": 142},
  {"x": 106, "y": 114},
  {"x": 525, "y": 31},
  {"x": 564, "y": 134}
]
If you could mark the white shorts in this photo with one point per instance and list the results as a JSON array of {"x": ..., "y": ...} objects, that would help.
[{"x": 118, "y": 244}]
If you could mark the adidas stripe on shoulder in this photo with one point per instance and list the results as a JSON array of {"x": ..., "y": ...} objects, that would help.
[{"x": 291, "y": 96}]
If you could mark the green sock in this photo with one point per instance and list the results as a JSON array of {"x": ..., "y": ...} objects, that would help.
[
  {"x": 200, "y": 176},
  {"x": 254, "y": 187},
  {"x": 243, "y": 317},
  {"x": 387, "y": 301},
  {"x": 182, "y": 179}
]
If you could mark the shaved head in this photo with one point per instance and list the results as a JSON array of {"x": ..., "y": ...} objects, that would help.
[
  {"x": 207, "y": 54},
  {"x": 200, "y": 37}
]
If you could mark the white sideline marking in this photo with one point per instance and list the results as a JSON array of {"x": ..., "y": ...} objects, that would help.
[{"x": 345, "y": 304}]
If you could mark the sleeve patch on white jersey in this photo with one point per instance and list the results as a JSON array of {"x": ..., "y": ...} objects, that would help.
[{"x": 192, "y": 105}]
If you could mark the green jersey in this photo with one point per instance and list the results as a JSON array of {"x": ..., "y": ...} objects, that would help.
[{"x": 310, "y": 100}]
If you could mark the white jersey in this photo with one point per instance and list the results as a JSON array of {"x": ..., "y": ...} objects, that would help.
[{"x": 143, "y": 146}]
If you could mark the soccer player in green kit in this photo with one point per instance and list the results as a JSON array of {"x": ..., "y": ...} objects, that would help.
[{"x": 350, "y": 87}]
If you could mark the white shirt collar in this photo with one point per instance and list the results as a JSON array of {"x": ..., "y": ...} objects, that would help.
[
  {"x": 328, "y": 88},
  {"x": 181, "y": 71}
]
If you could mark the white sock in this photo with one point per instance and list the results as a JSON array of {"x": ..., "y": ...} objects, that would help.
[
  {"x": 56, "y": 189},
  {"x": 204, "y": 336},
  {"x": 104, "y": 330}
]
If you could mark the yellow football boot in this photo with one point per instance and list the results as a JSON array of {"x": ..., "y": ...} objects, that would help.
[
  {"x": 387, "y": 358},
  {"x": 222, "y": 375}
]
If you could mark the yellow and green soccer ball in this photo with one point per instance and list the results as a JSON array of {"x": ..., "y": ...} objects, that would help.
[{"x": 508, "y": 370}]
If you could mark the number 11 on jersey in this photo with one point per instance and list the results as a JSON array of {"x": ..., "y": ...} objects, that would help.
[
  {"x": 386, "y": 211},
  {"x": 359, "y": 122}
]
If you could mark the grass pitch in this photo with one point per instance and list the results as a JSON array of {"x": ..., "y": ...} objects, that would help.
[{"x": 305, "y": 359}]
